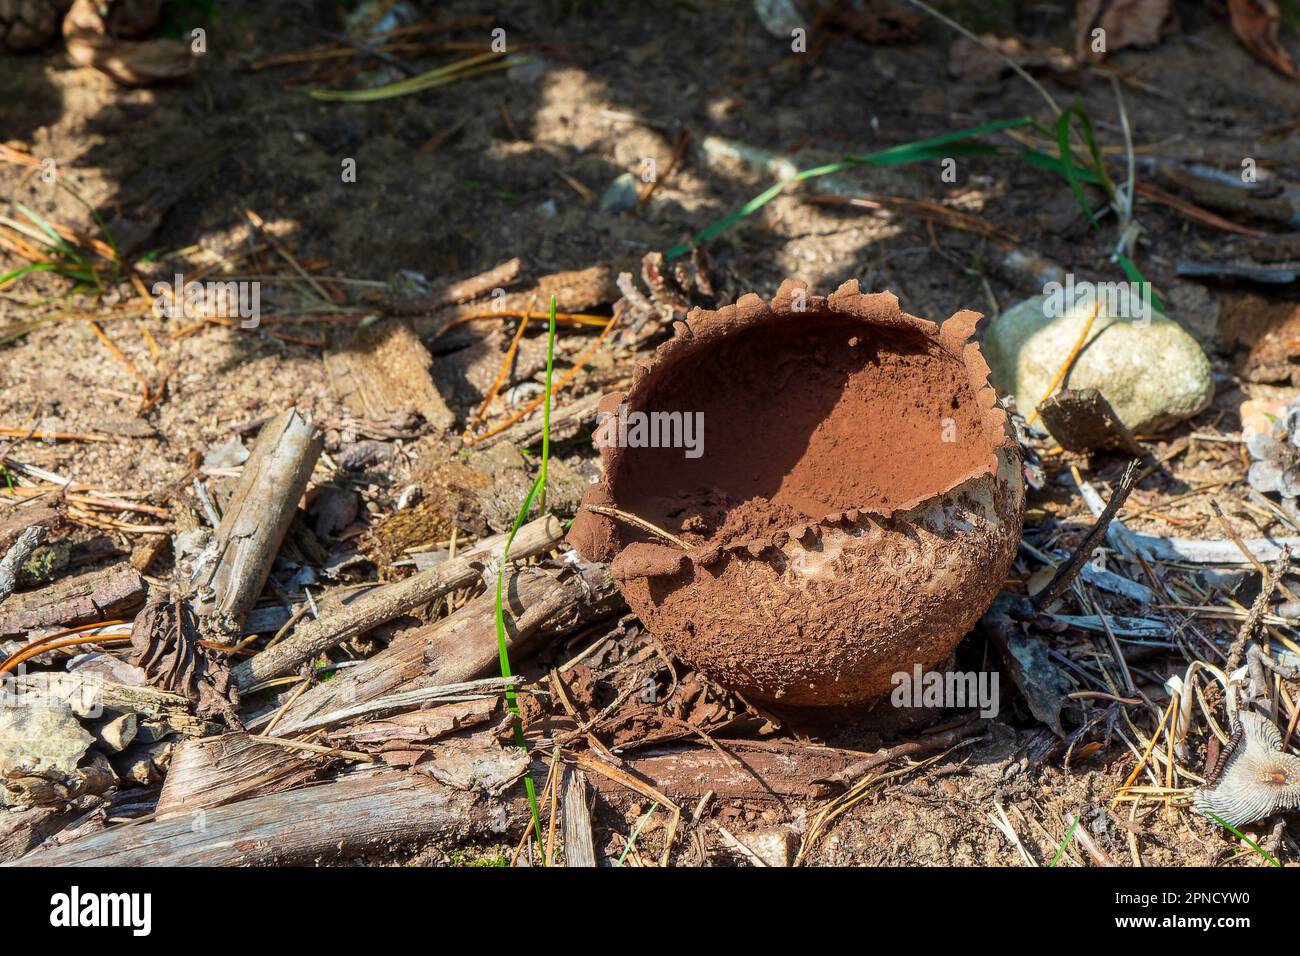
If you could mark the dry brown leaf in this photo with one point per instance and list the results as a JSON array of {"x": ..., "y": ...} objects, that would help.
[
  {"x": 1257, "y": 24},
  {"x": 1126, "y": 23},
  {"x": 165, "y": 645}
]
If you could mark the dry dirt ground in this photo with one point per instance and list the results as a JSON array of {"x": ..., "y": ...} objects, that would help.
[{"x": 451, "y": 181}]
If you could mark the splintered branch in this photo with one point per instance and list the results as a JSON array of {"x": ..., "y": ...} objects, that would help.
[
  {"x": 257, "y": 519},
  {"x": 1066, "y": 572}
]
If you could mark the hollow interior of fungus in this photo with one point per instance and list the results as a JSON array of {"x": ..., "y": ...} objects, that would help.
[{"x": 796, "y": 419}]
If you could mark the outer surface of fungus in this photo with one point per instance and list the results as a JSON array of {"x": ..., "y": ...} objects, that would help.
[
  {"x": 856, "y": 505},
  {"x": 1253, "y": 777}
]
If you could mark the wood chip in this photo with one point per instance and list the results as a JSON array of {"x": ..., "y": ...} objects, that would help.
[{"x": 385, "y": 371}]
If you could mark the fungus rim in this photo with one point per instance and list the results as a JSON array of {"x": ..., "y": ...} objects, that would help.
[{"x": 600, "y": 538}]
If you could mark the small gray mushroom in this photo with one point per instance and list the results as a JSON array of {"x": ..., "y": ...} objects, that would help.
[{"x": 1253, "y": 778}]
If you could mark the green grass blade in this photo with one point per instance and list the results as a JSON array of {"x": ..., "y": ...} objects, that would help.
[
  {"x": 99, "y": 221},
  {"x": 947, "y": 144},
  {"x": 1097, "y": 162},
  {"x": 1061, "y": 851},
  {"x": 503, "y": 652},
  {"x": 1067, "y": 162},
  {"x": 1075, "y": 176},
  {"x": 1249, "y": 842},
  {"x": 56, "y": 240},
  {"x": 636, "y": 833},
  {"x": 926, "y": 146},
  {"x": 1053, "y": 163},
  {"x": 19, "y": 273}
]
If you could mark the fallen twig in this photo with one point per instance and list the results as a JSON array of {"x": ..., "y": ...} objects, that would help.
[
  {"x": 391, "y": 601},
  {"x": 638, "y": 522},
  {"x": 1066, "y": 572}
]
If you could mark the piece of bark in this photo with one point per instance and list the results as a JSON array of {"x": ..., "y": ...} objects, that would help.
[
  {"x": 1082, "y": 420},
  {"x": 453, "y": 293},
  {"x": 393, "y": 600},
  {"x": 381, "y": 811},
  {"x": 219, "y": 770},
  {"x": 418, "y": 728},
  {"x": 104, "y": 595},
  {"x": 538, "y": 601},
  {"x": 579, "y": 848},
  {"x": 385, "y": 371},
  {"x": 256, "y": 520}
]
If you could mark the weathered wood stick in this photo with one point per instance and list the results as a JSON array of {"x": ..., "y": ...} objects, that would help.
[
  {"x": 256, "y": 520},
  {"x": 464, "y": 646},
  {"x": 579, "y": 850},
  {"x": 393, "y": 600},
  {"x": 86, "y": 694},
  {"x": 94, "y": 596},
  {"x": 416, "y": 729},
  {"x": 427, "y": 699},
  {"x": 376, "y": 811},
  {"x": 21, "y": 831}
]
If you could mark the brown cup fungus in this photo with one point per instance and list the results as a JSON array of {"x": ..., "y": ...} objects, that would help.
[{"x": 850, "y": 506}]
